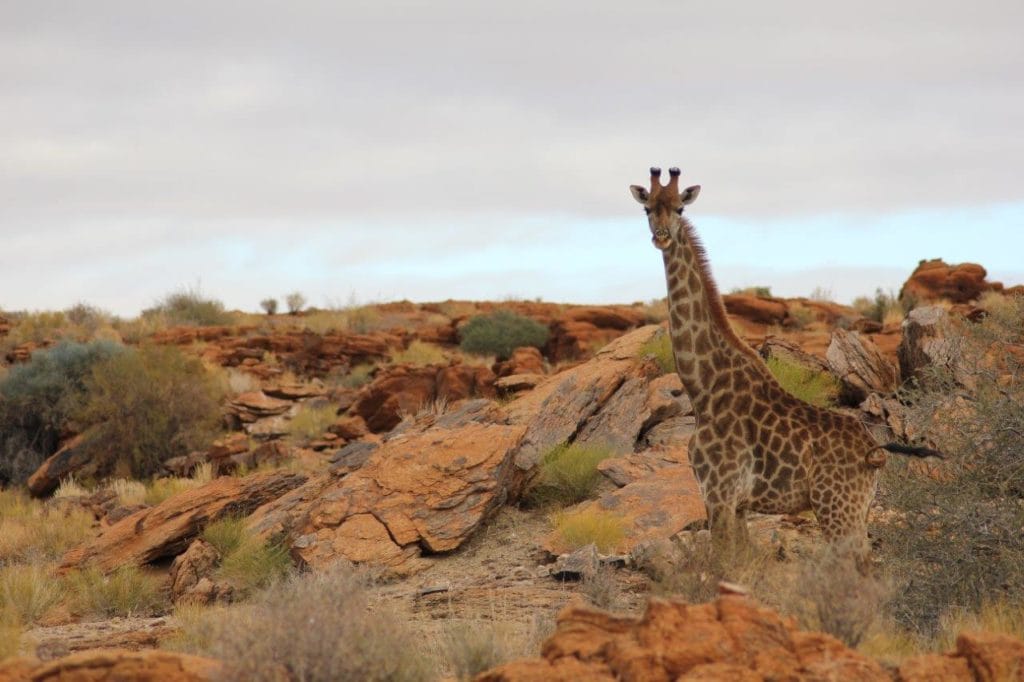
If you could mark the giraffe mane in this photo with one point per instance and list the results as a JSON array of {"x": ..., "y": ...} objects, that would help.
[{"x": 715, "y": 302}]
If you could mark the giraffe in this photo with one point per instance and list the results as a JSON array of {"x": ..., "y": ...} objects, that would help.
[{"x": 755, "y": 447}]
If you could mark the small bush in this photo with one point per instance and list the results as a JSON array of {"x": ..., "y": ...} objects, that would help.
[
  {"x": 125, "y": 592},
  {"x": 316, "y": 627},
  {"x": 581, "y": 527},
  {"x": 500, "y": 333},
  {"x": 357, "y": 376},
  {"x": 816, "y": 388},
  {"x": 247, "y": 562},
  {"x": 802, "y": 315},
  {"x": 28, "y": 591},
  {"x": 311, "y": 421},
  {"x": 472, "y": 647},
  {"x": 129, "y": 493},
  {"x": 149, "y": 405},
  {"x": 759, "y": 291},
  {"x": 602, "y": 589},
  {"x": 568, "y": 475},
  {"x": 269, "y": 306},
  {"x": 295, "y": 302},
  {"x": 188, "y": 307},
  {"x": 660, "y": 348},
  {"x": 884, "y": 307},
  {"x": 420, "y": 354},
  {"x": 38, "y": 398},
  {"x": 226, "y": 534}
]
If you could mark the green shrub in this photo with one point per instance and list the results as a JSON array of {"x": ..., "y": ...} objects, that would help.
[
  {"x": 568, "y": 474},
  {"x": 190, "y": 308},
  {"x": 816, "y": 388},
  {"x": 225, "y": 534},
  {"x": 247, "y": 562},
  {"x": 660, "y": 348},
  {"x": 500, "y": 333},
  {"x": 269, "y": 306},
  {"x": 148, "y": 405},
  {"x": 316, "y": 626},
  {"x": 126, "y": 591},
  {"x": 581, "y": 527},
  {"x": 38, "y": 398},
  {"x": 956, "y": 542}
]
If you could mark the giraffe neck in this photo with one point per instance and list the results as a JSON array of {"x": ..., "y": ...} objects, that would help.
[{"x": 703, "y": 343}]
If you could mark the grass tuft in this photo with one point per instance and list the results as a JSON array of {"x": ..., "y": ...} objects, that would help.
[
  {"x": 420, "y": 354},
  {"x": 311, "y": 422},
  {"x": 125, "y": 592},
  {"x": 27, "y": 592},
  {"x": 660, "y": 348},
  {"x": 816, "y": 388},
  {"x": 581, "y": 527},
  {"x": 568, "y": 475}
]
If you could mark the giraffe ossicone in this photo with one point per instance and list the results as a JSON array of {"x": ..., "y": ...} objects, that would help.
[{"x": 756, "y": 447}]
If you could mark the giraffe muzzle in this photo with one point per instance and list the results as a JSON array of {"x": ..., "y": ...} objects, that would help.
[{"x": 661, "y": 239}]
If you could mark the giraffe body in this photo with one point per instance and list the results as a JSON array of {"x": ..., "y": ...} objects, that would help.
[{"x": 756, "y": 447}]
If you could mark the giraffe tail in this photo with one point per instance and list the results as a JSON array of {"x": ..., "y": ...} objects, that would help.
[{"x": 877, "y": 460}]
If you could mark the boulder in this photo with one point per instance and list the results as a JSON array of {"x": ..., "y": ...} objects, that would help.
[
  {"x": 635, "y": 466},
  {"x": 525, "y": 360},
  {"x": 114, "y": 665},
  {"x": 70, "y": 459},
  {"x": 757, "y": 309},
  {"x": 731, "y": 638},
  {"x": 167, "y": 529},
  {"x": 254, "y": 405},
  {"x": 860, "y": 367},
  {"x": 517, "y": 383},
  {"x": 653, "y": 507},
  {"x": 992, "y": 656},
  {"x": 935, "y": 280},
  {"x": 191, "y": 576},
  {"x": 789, "y": 352}
]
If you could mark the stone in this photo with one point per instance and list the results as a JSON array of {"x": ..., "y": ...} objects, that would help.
[
  {"x": 635, "y": 466},
  {"x": 583, "y": 563},
  {"x": 524, "y": 360},
  {"x": 757, "y": 309},
  {"x": 394, "y": 393},
  {"x": 935, "y": 668},
  {"x": 860, "y": 367},
  {"x": 167, "y": 529},
  {"x": 935, "y": 280},
  {"x": 517, "y": 383},
  {"x": 349, "y": 427},
  {"x": 294, "y": 390},
  {"x": 73, "y": 457},
  {"x": 791, "y": 353},
  {"x": 731, "y": 638},
  {"x": 191, "y": 576},
  {"x": 993, "y": 657},
  {"x": 115, "y": 665},
  {"x": 654, "y": 507},
  {"x": 253, "y": 405}
]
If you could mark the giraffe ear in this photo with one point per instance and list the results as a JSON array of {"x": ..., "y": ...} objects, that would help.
[
  {"x": 639, "y": 193},
  {"x": 689, "y": 194}
]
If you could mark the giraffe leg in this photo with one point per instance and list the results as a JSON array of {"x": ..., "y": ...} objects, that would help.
[{"x": 844, "y": 528}]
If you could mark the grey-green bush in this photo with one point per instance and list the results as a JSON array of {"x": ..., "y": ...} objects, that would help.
[
  {"x": 38, "y": 398},
  {"x": 500, "y": 333},
  {"x": 190, "y": 307},
  {"x": 145, "y": 406}
]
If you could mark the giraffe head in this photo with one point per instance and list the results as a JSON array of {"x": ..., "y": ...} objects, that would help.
[{"x": 664, "y": 206}]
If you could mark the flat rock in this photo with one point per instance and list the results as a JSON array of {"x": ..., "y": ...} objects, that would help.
[
  {"x": 860, "y": 367},
  {"x": 635, "y": 466},
  {"x": 114, "y": 665}
]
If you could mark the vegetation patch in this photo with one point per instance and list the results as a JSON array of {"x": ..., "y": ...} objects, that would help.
[
  {"x": 318, "y": 627},
  {"x": 500, "y": 333},
  {"x": 188, "y": 307},
  {"x": 660, "y": 348},
  {"x": 28, "y": 591},
  {"x": 311, "y": 421},
  {"x": 816, "y": 388},
  {"x": 29, "y": 532},
  {"x": 568, "y": 475},
  {"x": 125, "y": 592},
  {"x": 471, "y": 647},
  {"x": 581, "y": 527},
  {"x": 247, "y": 562},
  {"x": 149, "y": 405},
  {"x": 420, "y": 354}
]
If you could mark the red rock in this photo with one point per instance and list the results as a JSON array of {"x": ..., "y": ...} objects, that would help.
[
  {"x": 72, "y": 458},
  {"x": 191, "y": 573},
  {"x": 526, "y": 360},
  {"x": 517, "y": 383},
  {"x": 757, "y": 309},
  {"x": 459, "y": 382},
  {"x": 934, "y": 280},
  {"x": 349, "y": 427},
  {"x": 167, "y": 529},
  {"x": 992, "y": 657},
  {"x": 394, "y": 393},
  {"x": 935, "y": 668},
  {"x": 114, "y": 665},
  {"x": 253, "y": 405}
]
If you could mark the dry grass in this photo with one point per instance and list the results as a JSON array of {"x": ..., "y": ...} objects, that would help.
[
  {"x": 125, "y": 592},
  {"x": 420, "y": 354},
  {"x": 247, "y": 562},
  {"x": 129, "y": 493},
  {"x": 580, "y": 527},
  {"x": 998, "y": 616},
  {"x": 27, "y": 592},
  {"x": 602, "y": 589},
  {"x": 310, "y": 627},
  {"x": 311, "y": 421},
  {"x": 568, "y": 475},
  {"x": 469, "y": 647},
  {"x": 160, "y": 489},
  {"x": 10, "y": 636},
  {"x": 69, "y": 487},
  {"x": 30, "y": 532}
]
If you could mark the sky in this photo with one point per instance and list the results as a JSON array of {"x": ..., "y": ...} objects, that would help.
[{"x": 373, "y": 151}]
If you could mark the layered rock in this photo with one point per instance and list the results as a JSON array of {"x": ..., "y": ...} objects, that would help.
[
  {"x": 860, "y": 367},
  {"x": 924, "y": 340},
  {"x": 935, "y": 280},
  {"x": 114, "y": 665},
  {"x": 72, "y": 457},
  {"x": 734, "y": 639},
  {"x": 167, "y": 529}
]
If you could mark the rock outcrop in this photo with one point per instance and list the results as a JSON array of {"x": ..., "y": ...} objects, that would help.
[
  {"x": 71, "y": 458},
  {"x": 860, "y": 367},
  {"x": 113, "y": 665},
  {"x": 734, "y": 639},
  {"x": 935, "y": 280},
  {"x": 167, "y": 529},
  {"x": 924, "y": 340}
]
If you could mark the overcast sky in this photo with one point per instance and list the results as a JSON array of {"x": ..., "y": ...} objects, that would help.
[{"x": 379, "y": 150}]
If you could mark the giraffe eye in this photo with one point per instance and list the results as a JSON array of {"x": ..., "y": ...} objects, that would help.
[
  {"x": 647, "y": 210},
  {"x": 679, "y": 210}
]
